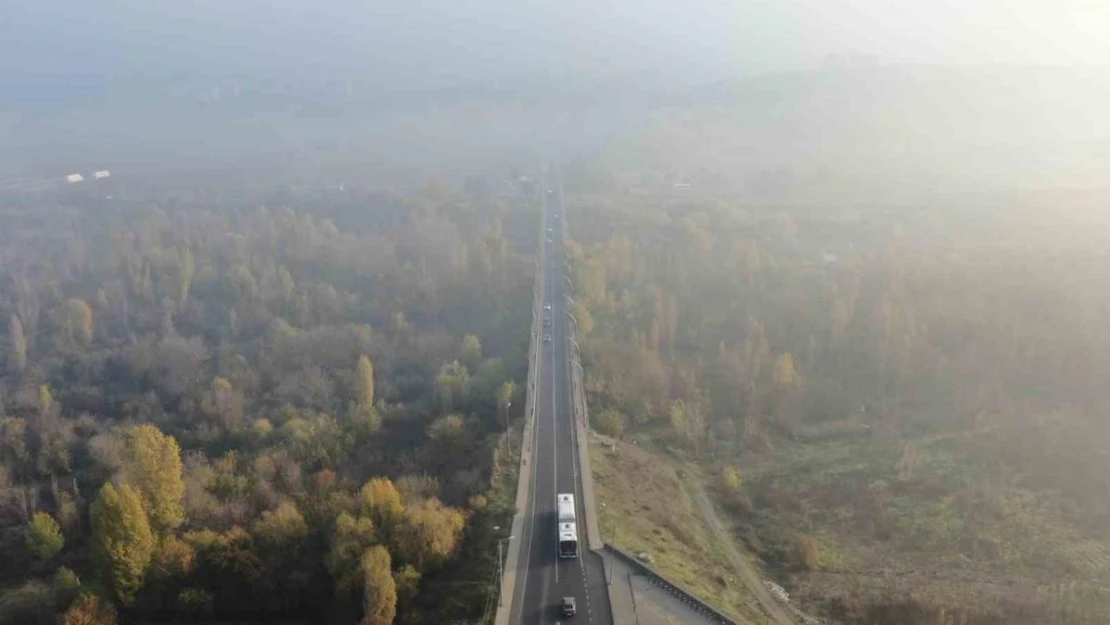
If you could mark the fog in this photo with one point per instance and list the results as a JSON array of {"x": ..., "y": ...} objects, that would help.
[
  {"x": 731, "y": 88},
  {"x": 480, "y": 41},
  {"x": 837, "y": 273}
]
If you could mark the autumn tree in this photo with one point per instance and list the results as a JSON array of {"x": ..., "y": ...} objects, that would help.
[
  {"x": 351, "y": 538},
  {"x": 611, "y": 423},
  {"x": 379, "y": 599},
  {"x": 282, "y": 528},
  {"x": 122, "y": 541},
  {"x": 364, "y": 382},
  {"x": 407, "y": 580},
  {"x": 688, "y": 421},
  {"x": 805, "y": 552},
  {"x": 429, "y": 533},
  {"x": 380, "y": 500},
  {"x": 187, "y": 270},
  {"x": 17, "y": 350},
  {"x": 785, "y": 376},
  {"x": 224, "y": 404},
  {"x": 153, "y": 466},
  {"x": 76, "y": 322},
  {"x": 89, "y": 609},
  {"x": 44, "y": 537},
  {"x": 452, "y": 385},
  {"x": 173, "y": 560},
  {"x": 787, "y": 384},
  {"x": 730, "y": 479},
  {"x": 470, "y": 352}
]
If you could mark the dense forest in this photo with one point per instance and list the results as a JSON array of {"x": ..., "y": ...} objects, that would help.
[
  {"x": 266, "y": 406},
  {"x": 904, "y": 408}
]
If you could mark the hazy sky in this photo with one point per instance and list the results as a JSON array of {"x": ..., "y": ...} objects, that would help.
[{"x": 468, "y": 41}]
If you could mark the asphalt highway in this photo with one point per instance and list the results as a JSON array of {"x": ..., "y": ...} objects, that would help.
[{"x": 544, "y": 578}]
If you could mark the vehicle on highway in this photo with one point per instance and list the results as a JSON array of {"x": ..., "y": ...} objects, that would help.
[
  {"x": 547, "y": 306},
  {"x": 568, "y": 528},
  {"x": 569, "y": 606},
  {"x": 547, "y": 338}
]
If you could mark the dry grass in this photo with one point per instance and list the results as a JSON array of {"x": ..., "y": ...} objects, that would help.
[{"x": 647, "y": 509}]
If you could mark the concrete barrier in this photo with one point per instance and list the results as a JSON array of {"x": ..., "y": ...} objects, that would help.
[{"x": 673, "y": 588}]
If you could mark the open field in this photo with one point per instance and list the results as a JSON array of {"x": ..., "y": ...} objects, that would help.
[{"x": 645, "y": 507}]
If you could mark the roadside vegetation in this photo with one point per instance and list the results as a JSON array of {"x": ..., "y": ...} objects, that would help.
[
  {"x": 644, "y": 509},
  {"x": 901, "y": 410},
  {"x": 231, "y": 410}
]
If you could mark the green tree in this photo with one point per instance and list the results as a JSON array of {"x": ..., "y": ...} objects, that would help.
[
  {"x": 730, "y": 479},
  {"x": 17, "y": 352},
  {"x": 611, "y": 423},
  {"x": 88, "y": 609},
  {"x": 470, "y": 352},
  {"x": 187, "y": 270},
  {"x": 122, "y": 541},
  {"x": 44, "y": 537},
  {"x": 365, "y": 419},
  {"x": 364, "y": 382},
  {"x": 452, "y": 385},
  {"x": 153, "y": 466},
  {"x": 407, "y": 580},
  {"x": 379, "y": 599}
]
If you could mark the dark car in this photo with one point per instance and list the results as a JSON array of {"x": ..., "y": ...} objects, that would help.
[{"x": 569, "y": 607}]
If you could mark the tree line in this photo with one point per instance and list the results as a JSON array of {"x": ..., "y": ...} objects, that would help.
[
  {"x": 965, "y": 368},
  {"x": 210, "y": 412}
]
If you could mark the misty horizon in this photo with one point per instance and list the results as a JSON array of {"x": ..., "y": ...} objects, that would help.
[{"x": 483, "y": 42}]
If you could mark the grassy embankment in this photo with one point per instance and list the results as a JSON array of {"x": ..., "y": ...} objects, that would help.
[{"x": 648, "y": 509}]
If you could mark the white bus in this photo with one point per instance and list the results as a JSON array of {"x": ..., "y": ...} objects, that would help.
[{"x": 568, "y": 528}]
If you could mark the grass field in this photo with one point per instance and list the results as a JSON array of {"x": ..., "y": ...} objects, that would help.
[
  {"x": 921, "y": 522},
  {"x": 644, "y": 507},
  {"x": 903, "y": 532}
]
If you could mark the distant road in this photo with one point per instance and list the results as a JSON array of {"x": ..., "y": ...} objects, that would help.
[{"x": 544, "y": 578}]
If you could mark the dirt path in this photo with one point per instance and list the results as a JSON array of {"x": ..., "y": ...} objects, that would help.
[{"x": 744, "y": 570}]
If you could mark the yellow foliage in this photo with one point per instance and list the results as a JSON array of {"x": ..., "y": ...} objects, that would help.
[
  {"x": 174, "y": 559},
  {"x": 381, "y": 501},
  {"x": 122, "y": 542},
  {"x": 353, "y": 536},
  {"x": 379, "y": 601},
  {"x": 153, "y": 466},
  {"x": 281, "y": 527},
  {"x": 429, "y": 534},
  {"x": 88, "y": 609},
  {"x": 364, "y": 382}
]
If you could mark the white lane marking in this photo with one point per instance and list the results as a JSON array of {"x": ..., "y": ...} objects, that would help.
[
  {"x": 555, "y": 430},
  {"x": 535, "y": 449}
]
